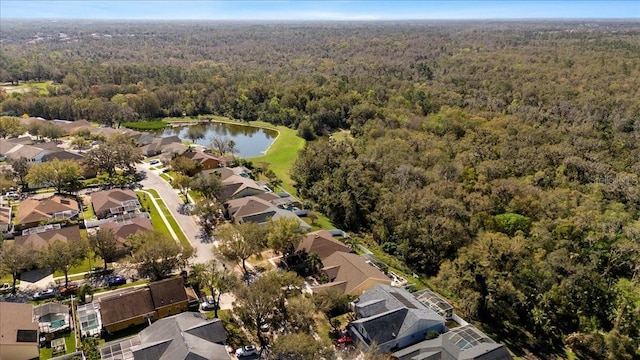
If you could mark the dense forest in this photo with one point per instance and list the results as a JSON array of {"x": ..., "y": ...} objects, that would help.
[{"x": 499, "y": 159}]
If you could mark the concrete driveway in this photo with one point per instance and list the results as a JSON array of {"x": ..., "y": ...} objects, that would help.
[{"x": 172, "y": 200}]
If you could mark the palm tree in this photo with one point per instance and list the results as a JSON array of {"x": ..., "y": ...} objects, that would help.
[
  {"x": 314, "y": 262},
  {"x": 83, "y": 291}
]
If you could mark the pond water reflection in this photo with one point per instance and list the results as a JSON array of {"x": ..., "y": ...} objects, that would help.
[{"x": 250, "y": 141}]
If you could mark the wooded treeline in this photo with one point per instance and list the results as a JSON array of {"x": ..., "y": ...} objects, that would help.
[{"x": 499, "y": 158}]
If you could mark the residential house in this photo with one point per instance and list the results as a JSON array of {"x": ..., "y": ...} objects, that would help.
[
  {"x": 321, "y": 242},
  {"x": 171, "y": 150},
  {"x": 206, "y": 161},
  {"x": 138, "y": 306},
  {"x": 237, "y": 186},
  {"x": 259, "y": 209},
  {"x": 161, "y": 145},
  {"x": 19, "y": 337},
  {"x": 61, "y": 154},
  {"x": 33, "y": 153},
  {"x": 34, "y": 211},
  {"x": 169, "y": 296},
  {"x": 392, "y": 318},
  {"x": 71, "y": 126},
  {"x": 6, "y": 225},
  {"x": 350, "y": 274},
  {"x": 41, "y": 237},
  {"x": 226, "y": 172},
  {"x": 183, "y": 336},
  {"x": 461, "y": 343},
  {"x": 52, "y": 317},
  {"x": 126, "y": 308},
  {"x": 114, "y": 202},
  {"x": 123, "y": 229},
  {"x": 142, "y": 138}
]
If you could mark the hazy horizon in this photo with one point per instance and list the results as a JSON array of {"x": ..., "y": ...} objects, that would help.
[{"x": 302, "y": 11}]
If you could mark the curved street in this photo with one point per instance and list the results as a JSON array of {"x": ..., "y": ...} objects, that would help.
[{"x": 187, "y": 223}]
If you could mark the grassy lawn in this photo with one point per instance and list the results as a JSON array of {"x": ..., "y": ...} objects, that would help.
[
  {"x": 85, "y": 266},
  {"x": 282, "y": 153},
  {"x": 167, "y": 214},
  {"x": 35, "y": 86},
  {"x": 145, "y": 125},
  {"x": 88, "y": 213},
  {"x": 166, "y": 177},
  {"x": 156, "y": 220},
  {"x": 70, "y": 341},
  {"x": 321, "y": 222},
  {"x": 127, "y": 285}
]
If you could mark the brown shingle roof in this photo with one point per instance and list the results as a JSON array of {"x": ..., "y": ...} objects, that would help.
[
  {"x": 132, "y": 227},
  {"x": 351, "y": 269},
  {"x": 104, "y": 200},
  {"x": 125, "y": 305},
  {"x": 34, "y": 210},
  {"x": 321, "y": 243},
  {"x": 168, "y": 291},
  {"x": 44, "y": 239}
]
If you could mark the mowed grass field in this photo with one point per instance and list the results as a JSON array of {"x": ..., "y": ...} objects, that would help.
[
  {"x": 282, "y": 153},
  {"x": 30, "y": 86}
]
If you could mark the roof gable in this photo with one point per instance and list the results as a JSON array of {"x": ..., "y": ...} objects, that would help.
[
  {"x": 168, "y": 291},
  {"x": 321, "y": 243},
  {"x": 104, "y": 200},
  {"x": 39, "y": 240},
  {"x": 182, "y": 336},
  {"x": 352, "y": 269},
  {"x": 34, "y": 210},
  {"x": 126, "y": 305}
]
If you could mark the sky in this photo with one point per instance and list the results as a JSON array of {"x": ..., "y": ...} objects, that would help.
[{"x": 318, "y": 10}]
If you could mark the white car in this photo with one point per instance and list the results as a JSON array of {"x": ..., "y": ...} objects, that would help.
[
  {"x": 246, "y": 351},
  {"x": 207, "y": 305}
]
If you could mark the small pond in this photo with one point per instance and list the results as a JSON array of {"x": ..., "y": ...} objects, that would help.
[{"x": 250, "y": 141}]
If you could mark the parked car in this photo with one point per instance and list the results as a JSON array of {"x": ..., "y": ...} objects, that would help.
[
  {"x": 247, "y": 350},
  {"x": 344, "y": 340},
  {"x": 69, "y": 289},
  {"x": 4, "y": 288},
  {"x": 154, "y": 162},
  {"x": 116, "y": 280},
  {"x": 45, "y": 294},
  {"x": 264, "y": 328},
  {"x": 207, "y": 305}
]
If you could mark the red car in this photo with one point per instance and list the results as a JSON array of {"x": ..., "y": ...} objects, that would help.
[
  {"x": 69, "y": 289},
  {"x": 345, "y": 340}
]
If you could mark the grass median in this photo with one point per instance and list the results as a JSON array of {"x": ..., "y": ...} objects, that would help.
[{"x": 148, "y": 204}]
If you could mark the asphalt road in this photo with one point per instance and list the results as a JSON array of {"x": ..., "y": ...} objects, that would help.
[{"x": 188, "y": 223}]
